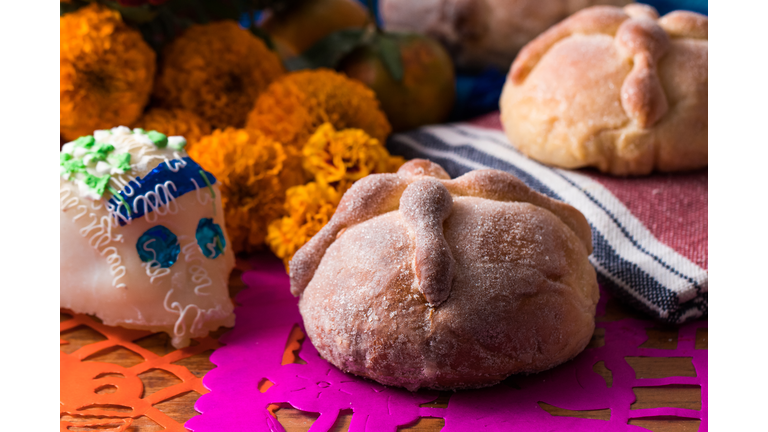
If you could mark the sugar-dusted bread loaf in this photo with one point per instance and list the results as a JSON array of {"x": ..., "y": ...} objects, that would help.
[
  {"x": 481, "y": 33},
  {"x": 621, "y": 90},
  {"x": 422, "y": 281}
]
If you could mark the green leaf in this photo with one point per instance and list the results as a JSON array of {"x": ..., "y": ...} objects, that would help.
[
  {"x": 298, "y": 63},
  {"x": 134, "y": 15},
  {"x": 389, "y": 53},
  {"x": 331, "y": 49}
]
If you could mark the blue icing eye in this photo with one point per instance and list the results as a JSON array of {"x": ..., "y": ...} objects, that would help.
[
  {"x": 210, "y": 238},
  {"x": 159, "y": 244}
]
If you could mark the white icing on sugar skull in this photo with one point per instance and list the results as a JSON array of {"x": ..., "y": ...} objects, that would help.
[{"x": 143, "y": 241}]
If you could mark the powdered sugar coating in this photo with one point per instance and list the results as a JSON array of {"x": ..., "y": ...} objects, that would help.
[
  {"x": 501, "y": 186},
  {"x": 368, "y": 197},
  {"x": 424, "y": 206},
  {"x": 422, "y": 167},
  {"x": 466, "y": 282}
]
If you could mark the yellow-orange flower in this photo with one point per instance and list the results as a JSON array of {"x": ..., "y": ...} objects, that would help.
[
  {"x": 295, "y": 105},
  {"x": 175, "y": 122},
  {"x": 106, "y": 72},
  {"x": 293, "y": 174},
  {"x": 336, "y": 159},
  {"x": 350, "y": 154},
  {"x": 308, "y": 207},
  {"x": 217, "y": 71},
  {"x": 249, "y": 167}
]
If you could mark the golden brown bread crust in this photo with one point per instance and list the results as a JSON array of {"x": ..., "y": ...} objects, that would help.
[
  {"x": 422, "y": 281},
  {"x": 617, "y": 89}
]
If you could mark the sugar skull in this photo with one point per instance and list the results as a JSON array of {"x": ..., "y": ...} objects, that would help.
[{"x": 143, "y": 242}]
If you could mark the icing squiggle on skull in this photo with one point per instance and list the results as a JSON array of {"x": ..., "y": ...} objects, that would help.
[
  {"x": 200, "y": 276},
  {"x": 202, "y": 198},
  {"x": 123, "y": 195},
  {"x": 180, "y": 328},
  {"x": 155, "y": 202},
  {"x": 67, "y": 200},
  {"x": 116, "y": 269},
  {"x": 154, "y": 190},
  {"x": 102, "y": 237},
  {"x": 153, "y": 267}
]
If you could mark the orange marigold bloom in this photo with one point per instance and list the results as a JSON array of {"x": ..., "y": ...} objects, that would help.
[
  {"x": 249, "y": 167},
  {"x": 350, "y": 154},
  {"x": 308, "y": 207},
  {"x": 293, "y": 174},
  {"x": 217, "y": 71},
  {"x": 336, "y": 160},
  {"x": 295, "y": 105},
  {"x": 175, "y": 122},
  {"x": 106, "y": 71}
]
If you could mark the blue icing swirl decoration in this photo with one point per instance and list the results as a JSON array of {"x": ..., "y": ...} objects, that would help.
[
  {"x": 158, "y": 244},
  {"x": 210, "y": 238},
  {"x": 153, "y": 189}
]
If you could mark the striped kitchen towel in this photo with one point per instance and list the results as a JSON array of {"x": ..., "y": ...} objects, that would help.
[{"x": 649, "y": 233}]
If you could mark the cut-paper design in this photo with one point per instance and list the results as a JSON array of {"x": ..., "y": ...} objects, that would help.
[
  {"x": 251, "y": 378},
  {"x": 100, "y": 395}
]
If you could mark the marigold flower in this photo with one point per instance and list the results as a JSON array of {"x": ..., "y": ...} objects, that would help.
[
  {"x": 217, "y": 71},
  {"x": 308, "y": 207},
  {"x": 293, "y": 173},
  {"x": 350, "y": 154},
  {"x": 249, "y": 167},
  {"x": 292, "y": 108},
  {"x": 336, "y": 160},
  {"x": 175, "y": 122},
  {"x": 106, "y": 71}
]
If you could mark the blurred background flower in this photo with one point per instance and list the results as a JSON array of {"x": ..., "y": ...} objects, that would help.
[
  {"x": 308, "y": 208},
  {"x": 175, "y": 122},
  {"x": 217, "y": 71},
  {"x": 332, "y": 156},
  {"x": 106, "y": 74},
  {"x": 292, "y": 108}
]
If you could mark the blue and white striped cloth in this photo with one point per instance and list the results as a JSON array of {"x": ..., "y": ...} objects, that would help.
[{"x": 629, "y": 260}]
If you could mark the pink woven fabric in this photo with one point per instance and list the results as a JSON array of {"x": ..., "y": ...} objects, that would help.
[{"x": 672, "y": 206}]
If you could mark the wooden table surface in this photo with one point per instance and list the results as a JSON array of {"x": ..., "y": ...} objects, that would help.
[{"x": 181, "y": 408}]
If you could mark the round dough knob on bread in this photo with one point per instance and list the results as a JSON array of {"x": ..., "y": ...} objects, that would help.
[
  {"x": 423, "y": 281},
  {"x": 618, "y": 89}
]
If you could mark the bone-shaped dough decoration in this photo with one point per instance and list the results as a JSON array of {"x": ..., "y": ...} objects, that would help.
[{"x": 422, "y": 191}]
